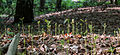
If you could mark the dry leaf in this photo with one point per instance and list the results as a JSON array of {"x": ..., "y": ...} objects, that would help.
[{"x": 79, "y": 36}]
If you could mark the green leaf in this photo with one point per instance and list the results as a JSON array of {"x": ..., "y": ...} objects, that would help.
[
  {"x": 65, "y": 21},
  {"x": 22, "y": 19},
  {"x": 90, "y": 26},
  {"x": 95, "y": 37},
  {"x": 38, "y": 22},
  {"x": 47, "y": 21},
  {"x": 82, "y": 20},
  {"x": 62, "y": 42},
  {"x": 68, "y": 41}
]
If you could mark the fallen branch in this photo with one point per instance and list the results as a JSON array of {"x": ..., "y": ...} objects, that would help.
[{"x": 13, "y": 45}]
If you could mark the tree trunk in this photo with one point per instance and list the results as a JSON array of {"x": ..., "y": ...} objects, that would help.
[
  {"x": 58, "y": 5},
  {"x": 42, "y": 4},
  {"x": 0, "y": 3},
  {"x": 116, "y": 2},
  {"x": 24, "y": 8},
  {"x": 111, "y": 1}
]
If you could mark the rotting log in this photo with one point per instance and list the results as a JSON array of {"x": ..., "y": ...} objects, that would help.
[{"x": 13, "y": 45}]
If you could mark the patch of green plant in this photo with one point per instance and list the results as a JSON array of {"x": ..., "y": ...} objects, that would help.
[{"x": 48, "y": 25}]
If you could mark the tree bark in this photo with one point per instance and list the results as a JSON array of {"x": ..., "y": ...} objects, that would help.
[
  {"x": 0, "y": 3},
  {"x": 58, "y": 5},
  {"x": 116, "y": 2},
  {"x": 42, "y": 4},
  {"x": 13, "y": 45},
  {"x": 111, "y": 1},
  {"x": 24, "y": 8}
]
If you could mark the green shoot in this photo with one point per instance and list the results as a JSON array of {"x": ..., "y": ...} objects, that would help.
[
  {"x": 19, "y": 27},
  {"x": 55, "y": 29},
  {"x": 73, "y": 26},
  {"x": 68, "y": 27},
  {"x": 90, "y": 27},
  {"x": 48, "y": 25},
  {"x": 38, "y": 26},
  {"x": 22, "y": 24},
  {"x": 77, "y": 28},
  {"x": 59, "y": 29},
  {"x": 104, "y": 27},
  {"x": 81, "y": 29},
  {"x": 29, "y": 29}
]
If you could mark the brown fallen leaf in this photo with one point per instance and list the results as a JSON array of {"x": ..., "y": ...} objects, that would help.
[
  {"x": 78, "y": 36},
  {"x": 44, "y": 34}
]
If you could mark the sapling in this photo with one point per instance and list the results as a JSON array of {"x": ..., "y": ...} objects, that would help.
[
  {"x": 59, "y": 28},
  {"x": 96, "y": 37},
  {"x": 48, "y": 25},
  {"x": 68, "y": 26},
  {"x": 38, "y": 26},
  {"x": 68, "y": 41},
  {"x": 81, "y": 26},
  {"x": 19, "y": 27},
  {"x": 29, "y": 29},
  {"x": 90, "y": 27},
  {"x": 55, "y": 29},
  {"x": 85, "y": 34},
  {"x": 114, "y": 32},
  {"x": 77, "y": 28},
  {"x": 86, "y": 28},
  {"x": 81, "y": 29},
  {"x": 43, "y": 29},
  {"x": 62, "y": 42},
  {"x": 72, "y": 26},
  {"x": 22, "y": 24},
  {"x": 104, "y": 27},
  {"x": 62, "y": 31}
]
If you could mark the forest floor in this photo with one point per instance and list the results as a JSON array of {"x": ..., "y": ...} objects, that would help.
[{"x": 104, "y": 38}]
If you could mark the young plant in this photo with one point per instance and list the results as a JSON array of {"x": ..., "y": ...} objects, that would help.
[
  {"x": 104, "y": 27},
  {"x": 55, "y": 29},
  {"x": 59, "y": 28},
  {"x": 62, "y": 31},
  {"x": 77, "y": 28},
  {"x": 62, "y": 42},
  {"x": 81, "y": 29},
  {"x": 29, "y": 29},
  {"x": 68, "y": 41},
  {"x": 38, "y": 27},
  {"x": 48, "y": 25},
  {"x": 22, "y": 24},
  {"x": 19, "y": 27},
  {"x": 96, "y": 37},
  {"x": 90, "y": 27},
  {"x": 73, "y": 26},
  {"x": 86, "y": 28},
  {"x": 43, "y": 29},
  {"x": 68, "y": 25}
]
